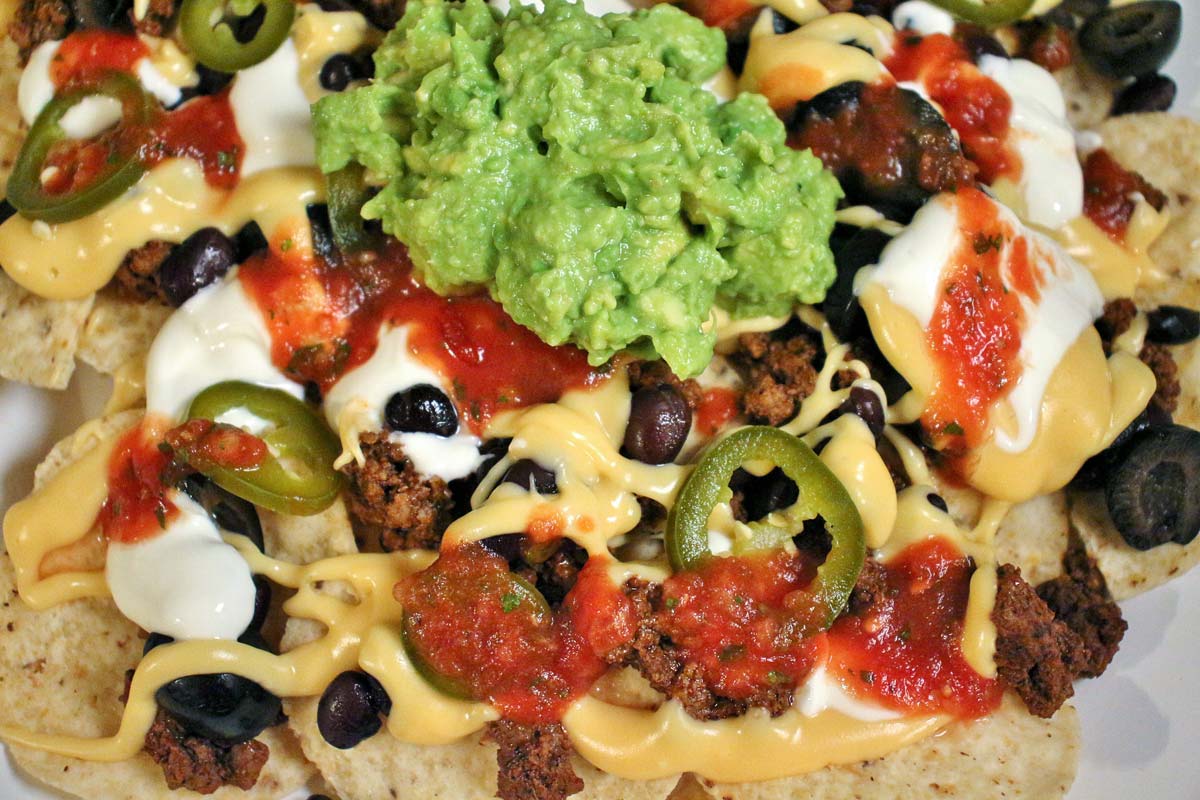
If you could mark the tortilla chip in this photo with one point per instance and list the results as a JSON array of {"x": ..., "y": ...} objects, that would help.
[
  {"x": 119, "y": 330},
  {"x": 47, "y": 683},
  {"x": 1011, "y": 754},
  {"x": 40, "y": 336}
]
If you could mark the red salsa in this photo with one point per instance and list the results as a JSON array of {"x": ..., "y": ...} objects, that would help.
[
  {"x": 718, "y": 406},
  {"x": 1109, "y": 193},
  {"x": 466, "y": 622},
  {"x": 734, "y": 617},
  {"x": 905, "y": 650},
  {"x": 137, "y": 507},
  {"x": 205, "y": 444},
  {"x": 976, "y": 106},
  {"x": 88, "y": 54},
  {"x": 325, "y": 318},
  {"x": 975, "y": 331},
  {"x": 205, "y": 130}
]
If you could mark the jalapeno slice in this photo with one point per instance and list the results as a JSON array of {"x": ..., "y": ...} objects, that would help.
[
  {"x": 297, "y": 476},
  {"x": 113, "y": 157},
  {"x": 211, "y": 38},
  {"x": 820, "y": 493},
  {"x": 518, "y": 594},
  {"x": 346, "y": 194},
  {"x": 987, "y": 12}
]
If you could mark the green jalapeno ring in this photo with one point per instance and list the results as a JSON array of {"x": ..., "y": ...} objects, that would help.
[
  {"x": 297, "y": 476},
  {"x": 122, "y": 171},
  {"x": 987, "y": 12},
  {"x": 212, "y": 41},
  {"x": 820, "y": 493},
  {"x": 347, "y": 191},
  {"x": 522, "y": 591}
]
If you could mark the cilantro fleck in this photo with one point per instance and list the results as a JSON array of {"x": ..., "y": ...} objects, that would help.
[
  {"x": 672, "y": 603},
  {"x": 776, "y": 678},
  {"x": 983, "y": 242},
  {"x": 953, "y": 429},
  {"x": 905, "y": 634},
  {"x": 510, "y": 602},
  {"x": 160, "y": 513},
  {"x": 867, "y": 676},
  {"x": 225, "y": 159},
  {"x": 731, "y": 653},
  {"x": 285, "y": 245}
]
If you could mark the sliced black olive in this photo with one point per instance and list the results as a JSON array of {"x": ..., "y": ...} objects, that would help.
[
  {"x": 917, "y": 136},
  {"x": 109, "y": 14},
  {"x": 350, "y": 709},
  {"x": 1084, "y": 8},
  {"x": 262, "y": 603},
  {"x": 225, "y": 708},
  {"x": 155, "y": 640},
  {"x": 1173, "y": 325},
  {"x": 6, "y": 210},
  {"x": 421, "y": 409},
  {"x": 1151, "y": 494},
  {"x": 230, "y": 512},
  {"x": 1095, "y": 471},
  {"x": 840, "y": 306},
  {"x": 211, "y": 81},
  {"x": 659, "y": 422},
  {"x": 1153, "y": 92},
  {"x": 249, "y": 240},
  {"x": 1132, "y": 40},
  {"x": 763, "y": 494},
  {"x": 200, "y": 260},
  {"x": 980, "y": 43},
  {"x": 461, "y": 489},
  {"x": 526, "y": 473},
  {"x": 737, "y": 41}
]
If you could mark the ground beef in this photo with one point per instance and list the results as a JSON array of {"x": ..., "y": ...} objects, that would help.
[
  {"x": 779, "y": 370},
  {"x": 390, "y": 499},
  {"x": 1037, "y": 655},
  {"x": 200, "y": 765},
  {"x": 137, "y": 277},
  {"x": 652, "y": 653},
  {"x": 37, "y": 21},
  {"x": 655, "y": 373},
  {"x": 1117, "y": 317},
  {"x": 1166, "y": 373},
  {"x": 870, "y": 590},
  {"x": 1080, "y": 599},
  {"x": 555, "y": 575},
  {"x": 159, "y": 18},
  {"x": 534, "y": 761}
]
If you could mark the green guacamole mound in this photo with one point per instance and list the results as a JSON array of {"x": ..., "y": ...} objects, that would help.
[{"x": 576, "y": 167}]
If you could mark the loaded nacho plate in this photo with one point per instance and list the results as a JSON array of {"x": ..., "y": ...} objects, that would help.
[{"x": 598, "y": 407}]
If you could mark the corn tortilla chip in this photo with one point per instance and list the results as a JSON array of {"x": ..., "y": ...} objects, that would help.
[
  {"x": 118, "y": 330},
  {"x": 40, "y": 336},
  {"x": 48, "y": 683}
]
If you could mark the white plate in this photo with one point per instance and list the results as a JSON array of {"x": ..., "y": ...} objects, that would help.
[{"x": 1141, "y": 720}]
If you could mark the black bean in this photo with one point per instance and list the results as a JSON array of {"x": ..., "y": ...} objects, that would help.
[
  {"x": 421, "y": 409},
  {"x": 867, "y": 406},
  {"x": 980, "y": 44},
  {"x": 1173, "y": 325},
  {"x": 814, "y": 539},
  {"x": 1151, "y": 493},
  {"x": 211, "y": 81},
  {"x": 841, "y": 306},
  {"x": 230, "y": 512},
  {"x": 6, "y": 210},
  {"x": 324, "y": 246},
  {"x": 461, "y": 489},
  {"x": 249, "y": 240},
  {"x": 526, "y": 473},
  {"x": 350, "y": 708},
  {"x": 201, "y": 259},
  {"x": 1152, "y": 92},
  {"x": 342, "y": 69},
  {"x": 938, "y": 502},
  {"x": 155, "y": 640},
  {"x": 659, "y": 421},
  {"x": 1132, "y": 40}
]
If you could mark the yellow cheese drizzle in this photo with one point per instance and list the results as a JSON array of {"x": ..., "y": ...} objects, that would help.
[
  {"x": 73, "y": 259},
  {"x": 320, "y": 34}
]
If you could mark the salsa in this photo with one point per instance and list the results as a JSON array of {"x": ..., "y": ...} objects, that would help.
[
  {"x": 905, "y": 650},
  {"x": 1109, "y": 193},
  {"x": 976, "y": 106},
  {"x": 137, "y": 507},
  {"x": 324, "y": 314},
  {"x": 466, "y": 623},
  {"x": 88, "y": 54},
  {"x": 975, "y": 331}
]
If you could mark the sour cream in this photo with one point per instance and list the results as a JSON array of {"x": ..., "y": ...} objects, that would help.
[
  {"x": 1068, "y": 301},
  {"x": 356, "y": 404},
  {"x": 1051, "y": 183},
  {"x": 272, "y": 113},
  {"x": 186, "y": 582},
  {"x": 218, "y": 335},
  {"x": 923, "y": 18},
  {"x": 36, "y": 88},
  {"x": 821, "y": 692}
]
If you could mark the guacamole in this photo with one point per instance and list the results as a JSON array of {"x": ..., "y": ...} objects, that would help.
[{"x": 576, "y": 167}]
